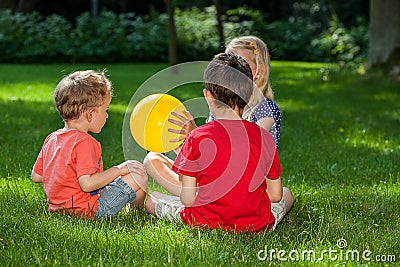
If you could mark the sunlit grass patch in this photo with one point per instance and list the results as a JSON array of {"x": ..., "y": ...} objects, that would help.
[
  {"x": 27, "y": 92},
  {"x": 339, "y": 150},
  {"x": 362, "y": 137}
]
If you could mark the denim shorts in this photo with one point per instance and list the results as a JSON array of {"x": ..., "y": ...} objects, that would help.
[{"x": 113, "y": 197}]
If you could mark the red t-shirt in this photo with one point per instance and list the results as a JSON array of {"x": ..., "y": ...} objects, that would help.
[
  {"x": 230, "y": 160},
  {"x": 65, "y": 156}
]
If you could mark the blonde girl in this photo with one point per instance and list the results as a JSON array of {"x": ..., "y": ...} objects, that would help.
[
  {"x": 255, "y": 52},
  {"x": 262, "y": 110}
]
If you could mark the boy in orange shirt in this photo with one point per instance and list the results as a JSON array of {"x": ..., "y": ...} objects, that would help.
[{"x": 70, "y": 165}]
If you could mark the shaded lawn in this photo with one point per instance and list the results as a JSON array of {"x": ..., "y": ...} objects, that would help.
[{"x": 339, "y": 151}]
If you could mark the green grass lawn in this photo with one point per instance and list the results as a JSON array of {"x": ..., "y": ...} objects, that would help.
[{"x": 339, "y": 149}]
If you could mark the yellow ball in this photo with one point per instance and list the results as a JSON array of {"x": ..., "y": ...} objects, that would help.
[{"x": 149, "y": 122}]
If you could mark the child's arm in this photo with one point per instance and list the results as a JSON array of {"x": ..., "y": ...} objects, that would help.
[
  {"x": 188, "y": 190},
  {"x": 266, "y": 123},
  {"x": 91, "y": 182},
  {"x": 274, "y": 189},
  {"x": 36, "y": 177}
]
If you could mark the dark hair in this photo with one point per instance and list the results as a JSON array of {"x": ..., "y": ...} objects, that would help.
[{"x": 229, "y": 79}]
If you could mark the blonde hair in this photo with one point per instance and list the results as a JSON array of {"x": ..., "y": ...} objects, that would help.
[
  {"x": 79, "y": 91},
  {"x": 260, "y": 56}
]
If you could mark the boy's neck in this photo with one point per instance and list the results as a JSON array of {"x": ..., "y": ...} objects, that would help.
[
  {"x": 75, "y": 125},
  {"x": 224, "y": 113}
]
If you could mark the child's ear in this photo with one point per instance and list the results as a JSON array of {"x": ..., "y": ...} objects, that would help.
[
  {"x": 89, "y": 114},
  {"x": 208, "y": 96},
  {"x": 205, "y": 93}
]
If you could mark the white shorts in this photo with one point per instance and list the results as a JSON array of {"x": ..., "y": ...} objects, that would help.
[
  {"x": 278, "y": 209},
  {"x": 169, "y": 208}
]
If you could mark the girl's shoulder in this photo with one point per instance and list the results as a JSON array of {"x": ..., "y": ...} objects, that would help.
[
  {"x": 269, "y": 103},
  {"x": 267, "y": 108}
]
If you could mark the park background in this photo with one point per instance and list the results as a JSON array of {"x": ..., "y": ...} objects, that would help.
[
  {"x": 335, "y": 76},
  {"x": 345, "y": 32}
]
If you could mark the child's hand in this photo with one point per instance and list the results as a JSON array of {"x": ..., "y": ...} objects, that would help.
[
  {"x": 131, "y": 166},
  {"x": 187, "y": 123},
  {"x": 135, "y": 175}
]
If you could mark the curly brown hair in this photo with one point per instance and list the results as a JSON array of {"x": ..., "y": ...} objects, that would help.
[{"x": 79, "y": 91}]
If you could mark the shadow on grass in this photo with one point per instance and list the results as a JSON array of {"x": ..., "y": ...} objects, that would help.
[
  {"x": 334, "y": 132},
  {"x": 341, "y": 131},
  {"x": 25, "y": 125}
]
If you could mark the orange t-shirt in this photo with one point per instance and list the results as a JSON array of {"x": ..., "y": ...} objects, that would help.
[{"x": 65, "y": 156}]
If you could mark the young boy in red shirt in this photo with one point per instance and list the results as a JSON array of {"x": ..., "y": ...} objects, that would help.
[
  {"x": 70, "y": 165},
  {"x": 229, "y": 168}
]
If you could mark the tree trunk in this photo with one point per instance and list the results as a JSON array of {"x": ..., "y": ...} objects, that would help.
[
  {"x": 94, "y": 4},
  {"x": 94, "y": 10},
  {"x": 26, "y": 6},
  {"x": 220, "y": 26},
  {"x": 384, "y": 42},
  {"x": 124, "y": 6},
  {"x": 172, "y": 46}
]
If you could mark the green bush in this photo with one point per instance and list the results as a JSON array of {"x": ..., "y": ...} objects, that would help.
[
  {"x": 290, "y": 40},
  {"x": 57, "y": 31},
  {"x": 243, "y": 21},
  {"x": 196, "y": 33},
  {"x": 32, "y": 38},
  {"x": 98, "y": 39},
  {"x": 346, "y": 47},
  {"x": 147, "y": 40},
  {"x": 309, "y": 35},
  {"x": 200, "y": 41},
  {"x": 108, "y": 38},
  {"x": 11, "y": 34}
]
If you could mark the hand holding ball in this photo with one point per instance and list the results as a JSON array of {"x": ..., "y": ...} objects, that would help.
[{"x": 149, "y": 122}]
